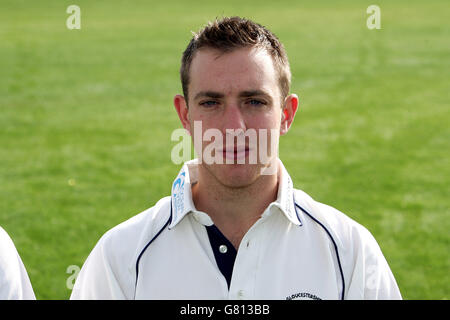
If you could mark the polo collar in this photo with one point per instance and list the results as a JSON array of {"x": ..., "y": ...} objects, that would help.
[
  {"x": 182, "y": 202},
  {"x": 285, "y": 197}
]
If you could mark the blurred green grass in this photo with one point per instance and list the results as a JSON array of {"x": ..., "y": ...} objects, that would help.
[{"x": 94, "y": 106}]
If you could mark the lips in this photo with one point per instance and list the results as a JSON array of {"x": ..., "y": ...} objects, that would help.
[{"x": 235, "y": 153}]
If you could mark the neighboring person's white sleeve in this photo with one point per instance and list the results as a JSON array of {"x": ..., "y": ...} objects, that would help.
[
  {"x": 372, "y": 279},
  {"x": 14, "y": 281},
  {"x": 96, "y": 280}
]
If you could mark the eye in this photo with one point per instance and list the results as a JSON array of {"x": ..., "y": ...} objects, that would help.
[
  {"x": 209, "y": 103},
  {"x": 255, "y": 102}
]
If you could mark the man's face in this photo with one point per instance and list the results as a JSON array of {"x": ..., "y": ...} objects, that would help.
[{"x": 236, "y": 91}]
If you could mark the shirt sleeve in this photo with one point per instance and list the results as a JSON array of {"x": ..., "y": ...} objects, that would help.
[
  {"x": 371, "y": 279},
  {"x": 14, "y": 281}
]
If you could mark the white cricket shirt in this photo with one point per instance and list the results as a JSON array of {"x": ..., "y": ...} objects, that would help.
[
  {"x": 298, "y": 249},
  {"x": 14, "y": 281}
]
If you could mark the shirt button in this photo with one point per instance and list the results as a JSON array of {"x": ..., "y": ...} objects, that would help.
[
  {"x": 223, "y": 249},
  {"x": 240, "y": 294}
]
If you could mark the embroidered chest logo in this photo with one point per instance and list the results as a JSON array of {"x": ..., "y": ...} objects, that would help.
[
  {"x": 178, "y": 194},
  {"x": 303, "y": 296}
]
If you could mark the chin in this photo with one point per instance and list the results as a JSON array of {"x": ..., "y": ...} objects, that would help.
[{"x": 236, "y": 175}]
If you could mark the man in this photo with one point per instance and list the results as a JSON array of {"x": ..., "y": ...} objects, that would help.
[
  {"x": 14, "y": 281},
  {"x": 235, "y": 228}
]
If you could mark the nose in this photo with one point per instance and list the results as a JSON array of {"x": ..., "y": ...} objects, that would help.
[{"x": 233, "y": 118}]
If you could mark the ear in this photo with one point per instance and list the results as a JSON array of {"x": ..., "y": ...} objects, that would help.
[
  {"x": 288, "y": 113},
  {"x": 183, "y": 112}
]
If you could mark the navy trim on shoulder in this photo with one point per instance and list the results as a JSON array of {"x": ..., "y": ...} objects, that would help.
[
  {"x": 146, "y": 246},
  {"x": 296, "y": 213},
  {"x": 334, "y": 243}
]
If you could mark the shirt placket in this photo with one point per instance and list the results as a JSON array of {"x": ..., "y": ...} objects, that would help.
[{"x": 246, "y": 264}]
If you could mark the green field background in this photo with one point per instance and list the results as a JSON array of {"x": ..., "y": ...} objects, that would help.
[{"x": 86, "y": 117}]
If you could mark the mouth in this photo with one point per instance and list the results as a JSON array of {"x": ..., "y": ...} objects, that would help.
[{"x": 236, "y": 153}]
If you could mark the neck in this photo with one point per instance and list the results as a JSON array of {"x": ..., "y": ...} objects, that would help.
[{"x": 234, "y": 210}]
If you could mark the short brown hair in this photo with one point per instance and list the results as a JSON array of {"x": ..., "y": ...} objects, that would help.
[{"x": 231, "y": 33}]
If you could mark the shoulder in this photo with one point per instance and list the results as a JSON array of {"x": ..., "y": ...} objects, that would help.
[
  {"x": 14, "y": 281},
  {"x": 8, "y": 251},
  {"x": 109, "y": 272},
  {"x": 4, "y": 238},
  {"x": 365, "y": 270},
  {"x": 129, "y": 236},
  {"x": 347, "y": 234}
]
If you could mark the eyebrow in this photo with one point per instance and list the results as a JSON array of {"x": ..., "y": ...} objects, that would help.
[
  {"x": 253, "y": 93},
  {"x": 208, "y": 94},
  {"x": 242, "y": 94}
]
